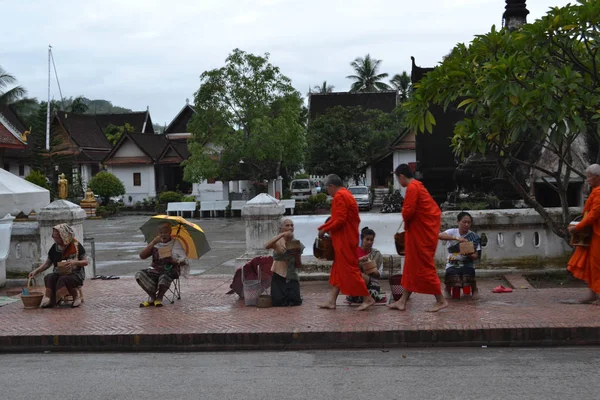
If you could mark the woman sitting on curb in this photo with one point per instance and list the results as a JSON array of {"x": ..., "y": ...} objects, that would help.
[
  {"x": 460, "y": 268},
  {"x": 366, "y": 252},
  {"x": 68, "y": 250}
]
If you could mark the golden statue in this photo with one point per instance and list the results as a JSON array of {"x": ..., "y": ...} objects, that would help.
[
  {"x": 89, "y": 196},
  {"x": 25, "y": 134},
  {"x": 63, "y": 187}
]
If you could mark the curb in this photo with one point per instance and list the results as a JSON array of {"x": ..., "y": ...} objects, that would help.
[{"x": 454, "y": 337}]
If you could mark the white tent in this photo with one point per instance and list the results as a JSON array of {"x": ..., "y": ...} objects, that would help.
[{"x": 18, "y": 195}]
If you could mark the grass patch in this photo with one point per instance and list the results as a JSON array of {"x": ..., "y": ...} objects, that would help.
[{"x": 548, "y": 280}]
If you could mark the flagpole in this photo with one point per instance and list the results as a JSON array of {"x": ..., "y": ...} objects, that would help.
[{"x": 48, "y": 105}]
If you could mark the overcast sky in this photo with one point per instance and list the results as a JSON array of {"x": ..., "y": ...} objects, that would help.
[{"x": 151, "y": 53}]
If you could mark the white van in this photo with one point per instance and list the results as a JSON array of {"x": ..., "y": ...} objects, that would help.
[{"x": 302, "y": 189}]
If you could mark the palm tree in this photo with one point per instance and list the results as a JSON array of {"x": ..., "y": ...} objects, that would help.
[
  {"x": 323, "y": 89},
  {"x": 11, "y": 95},
  {"x": 402, "y": 83},
  {"x": 367, "y": 79}
]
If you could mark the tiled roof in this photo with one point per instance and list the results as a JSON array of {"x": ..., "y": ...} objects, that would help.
[
  {"x": 84, "y": 130},
  {"x": 384, "y": 101},
  {"x": 180, "y": 122},
  {"x": 8, "y": 140},
  {"x": 181, "y": 148},
  {"x": 13, "y": 118},
  {"x": 135, "y": 119},
  {"x": 151, "y": 144},
  {"x": 417, "y": 73}
]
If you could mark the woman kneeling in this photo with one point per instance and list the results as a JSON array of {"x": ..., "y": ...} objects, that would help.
[
  {"x": 365, "y": 253},
  {"x": 65, "y": 280},
  {"x": 285, "y": 285},
  {"x": 460, "y": 268}
]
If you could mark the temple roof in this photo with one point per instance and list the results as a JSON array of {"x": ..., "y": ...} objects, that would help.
[
  {"x": 84, "y": 130},
  {"x": 181, "y": 121},
  {"x": 139, "y": 120},
  {"x": 11, "y": 129}
]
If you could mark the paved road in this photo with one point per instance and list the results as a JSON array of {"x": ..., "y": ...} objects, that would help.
[
  {"x": 119, "y": 240},
  {"x": 549, "y": 373}
]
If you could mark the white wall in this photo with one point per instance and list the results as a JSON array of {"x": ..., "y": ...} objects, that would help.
[
  {"x": 129, "y": 149},
  {"x": 205, "y": 191},
  {"x": 138, "y": 193},
  {"x": 402, "y": 157},
  {"x": 369, "y": 176},
  {"x": 14, "y": 168},
  {"x": 86, "y": 174}
]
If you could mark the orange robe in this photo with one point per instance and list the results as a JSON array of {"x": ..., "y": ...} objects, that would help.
[
  {"x": 343, "y": 228},
  {"x": 585, "y": 261},
  {"x": 422, "y": 220}
]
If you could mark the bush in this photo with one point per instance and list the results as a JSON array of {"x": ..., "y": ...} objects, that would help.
[
  {"x": 106, "y": 185},
  {"x": 170, "y": 197},
  {"x": 189, "y": 199},
  {"x": 38, "y": 178},
  {"x": 318, "y": 201},
  {"x": 392, "y": 203}
]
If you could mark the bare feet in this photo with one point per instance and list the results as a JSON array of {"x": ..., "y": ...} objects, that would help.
[
  {"x": 76, "y": 302},
  {"x": 45, "y": 302},
  {"x": 595, "y": 303},
  {"x": 368, "y": 301},
  {"x": 327, "y": 306},
  {"x": 475, "y": 295},
  {"x": 438, "y": 306},
  {"x": 398, "y": 305}
]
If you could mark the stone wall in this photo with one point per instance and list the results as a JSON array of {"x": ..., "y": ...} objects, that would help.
[{"x": 514, "y": 237}]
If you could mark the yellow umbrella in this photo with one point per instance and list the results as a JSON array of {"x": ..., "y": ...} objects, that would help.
[{"x": 190, "y": 235}]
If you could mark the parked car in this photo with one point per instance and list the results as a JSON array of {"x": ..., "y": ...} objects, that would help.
[
  {"x": 302, "y": 189},
  {"x": 363, "y": 197}
]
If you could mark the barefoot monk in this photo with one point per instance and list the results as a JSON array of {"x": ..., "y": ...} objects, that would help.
[
  {"x": 343, "y": 228},
  {"x": 422, "y": 220}
]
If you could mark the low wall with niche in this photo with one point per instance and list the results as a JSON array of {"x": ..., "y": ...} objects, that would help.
[{"x": 516, "y": 236}]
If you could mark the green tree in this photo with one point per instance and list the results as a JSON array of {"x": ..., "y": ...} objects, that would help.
[
  {"x": 248, "y": 122},
  {"x": 113, "y": 133},
  {"x": 16, "y": 96},
  {"x": 106, "y": 185},
  {"x": 527, "y": 93},
  {"x": 79, "y": 105},
  {"x": 367, "y": 77},
  {"x": 38, "y": 178},
  {"x": 402, "y": 84},
  {"x": 344, "y": 140},
  {"x": 323, "y": 88}
]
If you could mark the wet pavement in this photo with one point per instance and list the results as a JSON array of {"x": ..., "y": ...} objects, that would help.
[{"x": 118, "y": 241}]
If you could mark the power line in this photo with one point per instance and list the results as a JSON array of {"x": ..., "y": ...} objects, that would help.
[{"x": 62, "y": 100}]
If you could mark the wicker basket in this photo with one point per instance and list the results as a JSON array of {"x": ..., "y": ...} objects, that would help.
[
  {"x": 63, "y": 269},
  {"x": 370, "y": 267},
  {"x": 399, "y": 240},
  {"x": 34, "y": 298},
  {"x": 395, "y": 282},
  {"x": 323, "y": 248}
]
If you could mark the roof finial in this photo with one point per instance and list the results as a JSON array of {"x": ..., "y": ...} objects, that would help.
[
  {"x": 515, "y": 14},
  {"x": 187, "y": 101}
]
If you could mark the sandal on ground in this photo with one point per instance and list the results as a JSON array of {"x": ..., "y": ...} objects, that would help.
[
  {"x": 501, "y": 289},
  {"x": 76, "y": 302},
  {"x": 110, "y": 277},
  {"x": 146, "y": 304},
  {"x": 158, "y": 303},
  {"x": 98, "y": 277}
]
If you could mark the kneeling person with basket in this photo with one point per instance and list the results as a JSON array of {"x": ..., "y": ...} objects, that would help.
[
  {"x": 168, "y": 261},
  {"x": 370, "y": 263},
  {"x": 67, "y": 256}
]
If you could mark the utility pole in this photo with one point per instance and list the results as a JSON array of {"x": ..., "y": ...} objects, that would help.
[{"x": 48, "y": 105}]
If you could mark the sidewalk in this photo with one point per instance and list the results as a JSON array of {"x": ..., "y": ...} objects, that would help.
[{"x": 208, "y": 319}]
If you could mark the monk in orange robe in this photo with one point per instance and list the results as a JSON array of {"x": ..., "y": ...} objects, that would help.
[
  {"x": 585, "y": 261},
  {"x": 343, "y": 227},
  {"x": 422, "y": 220}
]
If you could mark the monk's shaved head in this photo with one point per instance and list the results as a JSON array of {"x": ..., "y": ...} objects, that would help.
[{"x": 333, "y": 180}]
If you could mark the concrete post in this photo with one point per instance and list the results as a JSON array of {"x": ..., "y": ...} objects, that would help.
[
  {"x": 261, "y": 215},
  {"x": 5, "y": 231},
  {"x": 61, "y": 212}
]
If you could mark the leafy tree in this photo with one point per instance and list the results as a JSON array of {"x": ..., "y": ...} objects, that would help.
[
  {"x": 248, "y": 122},
  {"x": 402, "y": 83},
  {"x": 106, "y": 185},
  {"x": 526, "y": 93},
  {"x": 38, "y": 178},
  {"x": 79, "y": 105},
  {"x": 113, "y": 133},
  {"x": 345, "y": 139},
  {"x": 367, "y": 78},
  {"x": 323, "y": 89},
  {"x": 8, "y": 96}
]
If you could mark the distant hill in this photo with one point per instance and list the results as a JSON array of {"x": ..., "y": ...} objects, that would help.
[{"x": 104, "y": 107}]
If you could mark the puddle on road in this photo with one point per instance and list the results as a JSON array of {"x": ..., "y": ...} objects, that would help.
[
  {"x": 217, "y": 308},
  {"x": 127, "y": 246},
  {"x": 229, "y": 241},
  {"x": 100, "y": 264}
]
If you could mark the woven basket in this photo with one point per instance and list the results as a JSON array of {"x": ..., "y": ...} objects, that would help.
[
  {"x": 370, "y": 267},
  {"x": 63, "y": 269},
  {"x": 399, "y": 240},
  {"x": 34, "y": 298},
  {"x": 395, "y": 282},
  {"x": 323, "y": 248},
  {"x": 264, "y": 301}
]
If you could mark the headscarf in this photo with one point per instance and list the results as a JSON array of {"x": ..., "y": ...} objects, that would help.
[{"x": 70, "y": 244}]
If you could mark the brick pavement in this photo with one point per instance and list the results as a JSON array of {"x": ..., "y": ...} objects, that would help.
[{"x": 208, "y": 319}]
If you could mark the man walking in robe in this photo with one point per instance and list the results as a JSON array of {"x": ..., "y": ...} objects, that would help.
[{"x": 343, "y": 225}]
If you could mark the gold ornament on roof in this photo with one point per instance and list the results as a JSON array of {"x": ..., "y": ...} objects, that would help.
[{"x": 25, "y": 134}]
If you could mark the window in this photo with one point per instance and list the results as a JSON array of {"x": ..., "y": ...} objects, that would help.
[
  {"x": 137, "y": 179},
  {"x": 7, "y": 167},
  {"x": 21, "y": 170}
]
